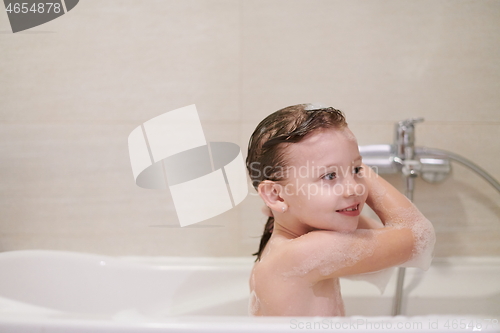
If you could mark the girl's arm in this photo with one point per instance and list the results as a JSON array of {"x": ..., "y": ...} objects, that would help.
[
  {"x": 387, "y": 202},
  {"x": 325, "y": 254}
]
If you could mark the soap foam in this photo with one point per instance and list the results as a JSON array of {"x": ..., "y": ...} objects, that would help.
[
  {"x": 253, "y": 304},
  {"x": 345, "y": 251},
  {"x": 423, "y": 234},
  {"x": 315, "y": 106}
]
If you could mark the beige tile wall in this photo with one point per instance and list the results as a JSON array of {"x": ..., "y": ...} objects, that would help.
[{"x": 73, "y": 89}]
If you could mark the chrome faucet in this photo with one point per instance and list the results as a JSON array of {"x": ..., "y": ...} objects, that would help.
[
  {"x": 404, "y": 157},
  {"x": 404, "y": 146},
  {"x": 404, "y": 138}
]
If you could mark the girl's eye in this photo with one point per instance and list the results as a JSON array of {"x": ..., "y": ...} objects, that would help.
[
  {"x": 330, "y": 176},
  {"x": 357, "y": 170}
]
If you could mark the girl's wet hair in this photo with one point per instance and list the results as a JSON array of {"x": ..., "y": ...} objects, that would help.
[{"x": 266, "y": 157}]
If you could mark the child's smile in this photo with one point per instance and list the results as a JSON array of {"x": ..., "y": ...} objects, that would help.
[{"x": 350, "y": 211}]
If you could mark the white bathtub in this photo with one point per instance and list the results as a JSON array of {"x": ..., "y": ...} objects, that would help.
[{"x": 48, "y": 291}]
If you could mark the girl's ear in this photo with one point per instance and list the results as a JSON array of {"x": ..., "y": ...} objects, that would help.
[{"x": 270, "y": 192}]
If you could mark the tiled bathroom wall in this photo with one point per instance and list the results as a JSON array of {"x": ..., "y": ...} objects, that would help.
[{"x": 74, "y": 88}]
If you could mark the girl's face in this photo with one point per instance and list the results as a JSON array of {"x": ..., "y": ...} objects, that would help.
[{"x": 324, "y": 188}]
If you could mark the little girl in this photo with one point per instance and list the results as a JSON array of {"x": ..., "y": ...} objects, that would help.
[{"x": 305, "y": 164}]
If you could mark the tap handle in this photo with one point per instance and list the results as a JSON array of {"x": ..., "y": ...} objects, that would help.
[
  {"x": 404, "y": 138},
  {"x": 410, "y": 122}
]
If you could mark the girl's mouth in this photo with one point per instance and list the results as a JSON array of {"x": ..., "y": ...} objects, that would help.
[{"x": 350, "y": 211}]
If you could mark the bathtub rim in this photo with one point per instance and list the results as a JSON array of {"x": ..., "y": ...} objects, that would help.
[{"x": 232, "y": 324}]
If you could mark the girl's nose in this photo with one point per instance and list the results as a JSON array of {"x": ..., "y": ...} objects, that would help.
[{"x": 351, "y": 186}]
